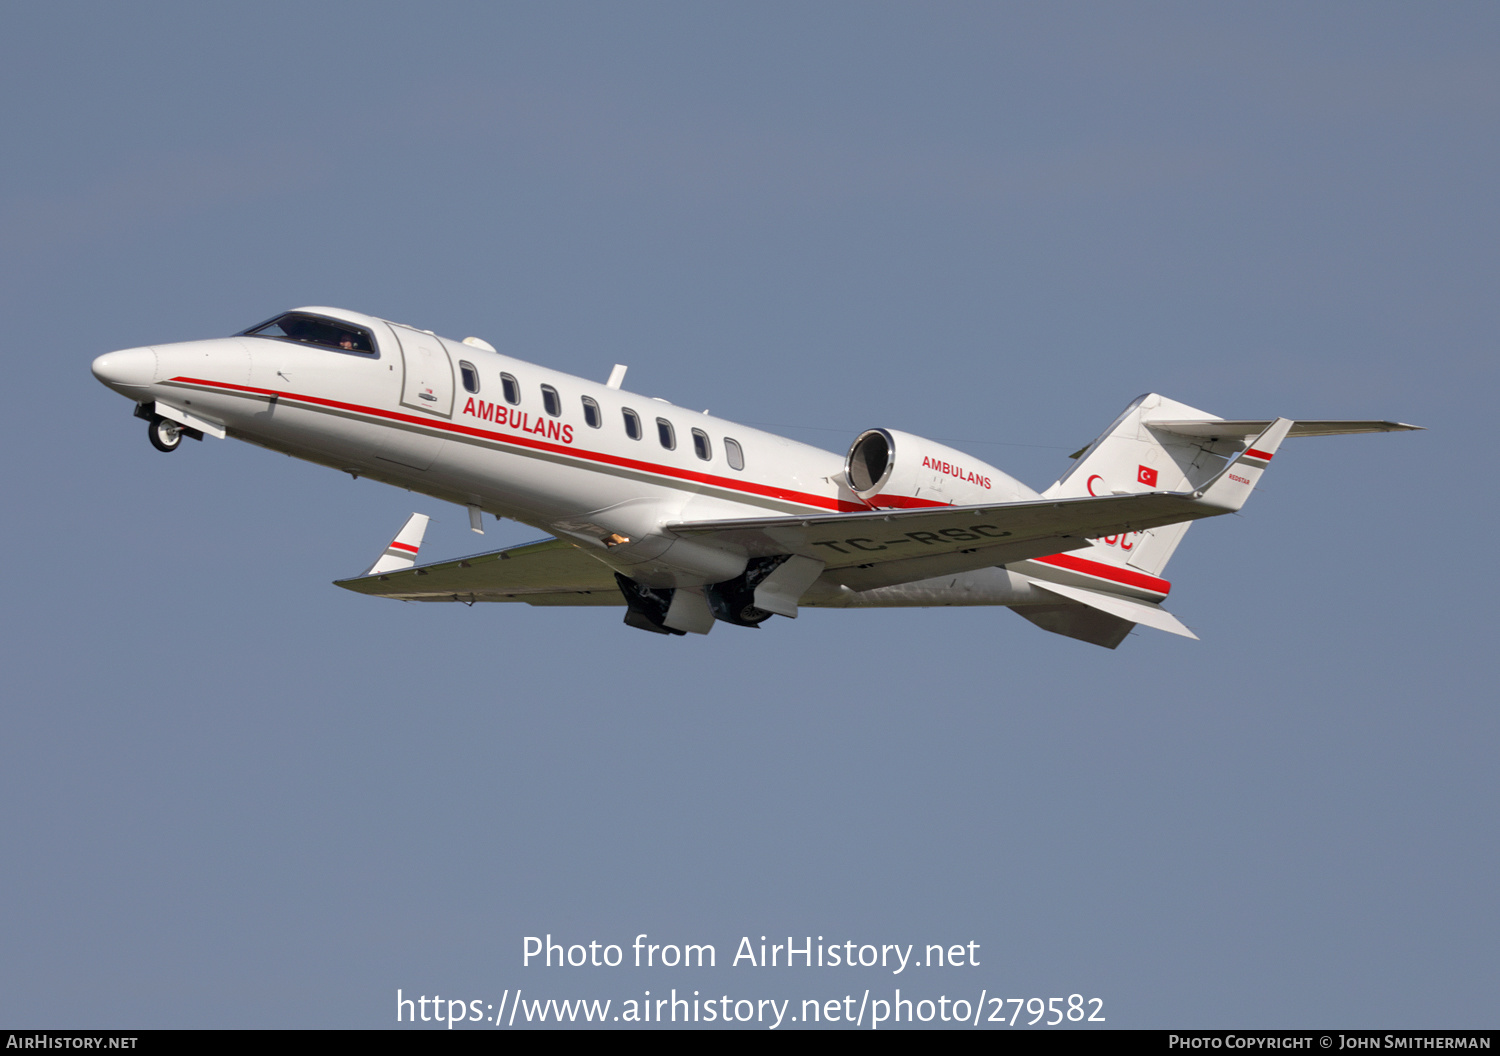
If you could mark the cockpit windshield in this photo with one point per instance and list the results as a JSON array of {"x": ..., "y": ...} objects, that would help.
[{"x": 315, "y": 330}]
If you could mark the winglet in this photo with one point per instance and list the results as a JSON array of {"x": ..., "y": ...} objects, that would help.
[
  {"x": 1234, "y": 483},
  {"x": 402, "y": 553}
]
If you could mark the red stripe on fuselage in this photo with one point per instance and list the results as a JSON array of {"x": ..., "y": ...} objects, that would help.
[
  {"x": 1076, "y": 564},
  {"x": 744, "y": 486},
  {"x": 901, "y": 502},
  {"x": 1111, "y": 572}
]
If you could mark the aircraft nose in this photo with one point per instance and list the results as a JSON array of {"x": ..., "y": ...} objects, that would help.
[{"x": 130, "y": 368}]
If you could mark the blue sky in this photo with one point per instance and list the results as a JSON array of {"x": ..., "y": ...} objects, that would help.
[{"x": 237, "y": 796}]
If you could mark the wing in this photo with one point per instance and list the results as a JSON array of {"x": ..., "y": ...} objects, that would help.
[
  {"x": 883, "y": 547},
  {"x": 867, "y": 549},
  {"x": 548, "y": 572},
  {"x": 994, "y": 535}
]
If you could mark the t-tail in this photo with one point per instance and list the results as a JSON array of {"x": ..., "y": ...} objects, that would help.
[{"x": 1103, "y": 590}]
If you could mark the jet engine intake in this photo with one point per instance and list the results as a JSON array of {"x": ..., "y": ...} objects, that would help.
[{"x": 888, "y": 468}]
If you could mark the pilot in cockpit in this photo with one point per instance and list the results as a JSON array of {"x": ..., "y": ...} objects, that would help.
[{"x": 314, "y": 330}]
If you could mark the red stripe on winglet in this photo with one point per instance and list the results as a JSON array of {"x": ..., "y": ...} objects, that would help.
[
  {"x": 1257, "y": 454},
  {"x": 404, "y": 546}
]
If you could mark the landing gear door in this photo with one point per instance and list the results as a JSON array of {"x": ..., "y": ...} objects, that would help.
[{"x": 427, "y": 379}]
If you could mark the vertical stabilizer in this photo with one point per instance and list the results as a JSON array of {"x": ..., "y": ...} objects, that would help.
[{"x": 1131, "y": 457}]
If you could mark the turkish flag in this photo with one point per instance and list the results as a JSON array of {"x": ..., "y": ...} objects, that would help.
[{"x": 1147, "y": 476}]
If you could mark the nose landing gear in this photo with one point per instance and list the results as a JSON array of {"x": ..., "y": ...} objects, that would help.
[{"x": 165, "y": 434}]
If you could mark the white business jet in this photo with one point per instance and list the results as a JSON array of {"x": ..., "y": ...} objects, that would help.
[{"x": 688, "y": 520}]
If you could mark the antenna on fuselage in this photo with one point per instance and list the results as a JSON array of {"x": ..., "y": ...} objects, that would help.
[{"x": 617, "y": 376}]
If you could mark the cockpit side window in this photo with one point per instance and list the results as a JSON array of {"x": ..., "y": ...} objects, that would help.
[{"x": 315, "y": 330}]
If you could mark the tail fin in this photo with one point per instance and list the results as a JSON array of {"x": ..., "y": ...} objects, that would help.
[
  {"x": 1135, "y": 455},
  {"x": 1104, "y": 589},
  {"x": 402, "y": 551},
  {"x": 1128, "y": 457},
  {"x": 1092, "y": 601}
]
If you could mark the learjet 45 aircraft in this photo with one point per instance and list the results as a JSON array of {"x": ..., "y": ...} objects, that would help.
[{"x": 687, "y": 520}]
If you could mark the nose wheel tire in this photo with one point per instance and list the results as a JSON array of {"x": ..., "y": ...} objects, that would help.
[{"x": 165, "y": 434}]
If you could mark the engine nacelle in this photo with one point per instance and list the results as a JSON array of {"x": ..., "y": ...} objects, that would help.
[{"x": 888, "y": 468}]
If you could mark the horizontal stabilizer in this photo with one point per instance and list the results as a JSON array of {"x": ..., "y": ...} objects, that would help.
[
  {"x": 1125, "y": 608},
  {"x": 1242, "y": 429}
]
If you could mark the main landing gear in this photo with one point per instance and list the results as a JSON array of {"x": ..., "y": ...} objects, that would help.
[{"x": 733, "y": 601}]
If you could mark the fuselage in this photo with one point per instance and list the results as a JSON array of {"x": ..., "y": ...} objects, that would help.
[
  {"x": 459, "y": 421},
  {"x": 698, "y": 519}
]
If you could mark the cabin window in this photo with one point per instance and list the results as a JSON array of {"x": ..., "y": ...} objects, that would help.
[
  {"x": 470, "y": 376},
  {"x": 733, "y": 455},
  {"x": 701, "y": 446},
  {"x": 551, "y": 400},
  {"x": 511, "y": 388},
  {"x": 632, "y": 424},
  {"x": 666, "y": 434},
  {"x": 591, "y": 413},
  {"x": 315, "y": 330}
]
